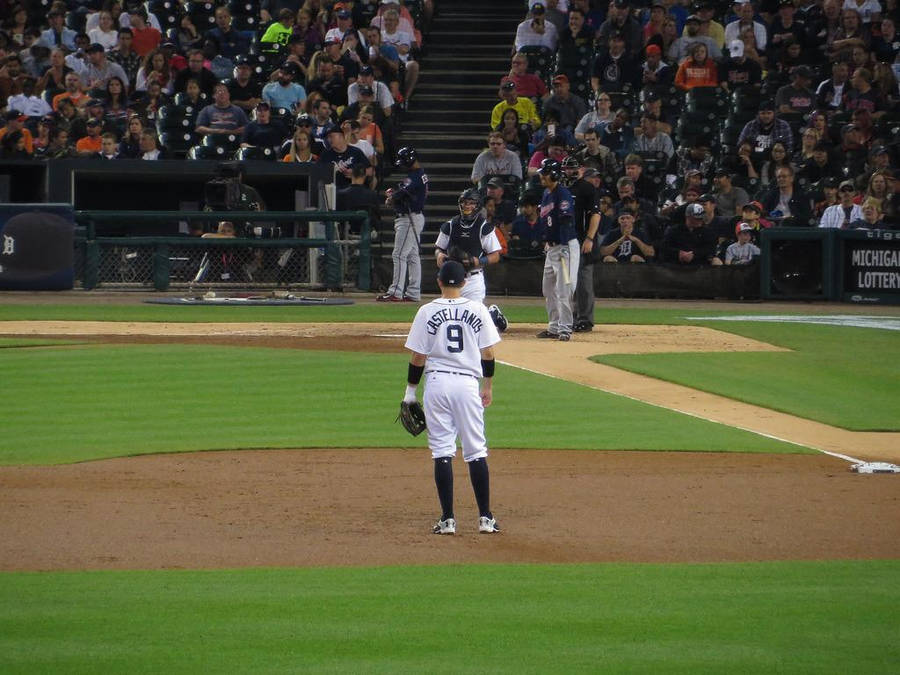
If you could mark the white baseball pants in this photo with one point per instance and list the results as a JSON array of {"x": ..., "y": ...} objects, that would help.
[
  {"x": 407, "y": 233},
  {"x": 453, "y": 410},
  {"x": 474, "y": 288}
]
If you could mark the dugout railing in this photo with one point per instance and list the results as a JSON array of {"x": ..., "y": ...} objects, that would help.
[{"x": 330, "y": 257}]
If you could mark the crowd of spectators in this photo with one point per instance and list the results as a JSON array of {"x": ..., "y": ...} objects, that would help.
[
  {"x": 699, "y": 122},
  {"x": 249, "y": 79}
]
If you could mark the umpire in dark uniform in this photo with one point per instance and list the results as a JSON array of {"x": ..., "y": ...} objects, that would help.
[{"x": 586, "y": 192}]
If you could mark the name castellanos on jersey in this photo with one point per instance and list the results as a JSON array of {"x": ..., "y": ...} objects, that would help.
[{"x": 453, "y": 314}]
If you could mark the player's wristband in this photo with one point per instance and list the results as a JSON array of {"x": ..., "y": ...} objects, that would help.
[
  {"x": 482, "y": 261},
  {"x": 415, "y": 374},
  {"x": 487, "y": 367}
]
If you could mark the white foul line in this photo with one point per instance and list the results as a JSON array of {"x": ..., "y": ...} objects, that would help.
[{"x": 689, "y": 414}]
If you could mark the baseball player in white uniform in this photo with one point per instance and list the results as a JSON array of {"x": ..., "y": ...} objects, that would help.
[
  {"x": 470, "y": 235},
  {"x": 451, "y": 340}
]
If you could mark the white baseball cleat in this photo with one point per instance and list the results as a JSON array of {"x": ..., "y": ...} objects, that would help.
[
  {"x": 487, "y": 525},
  {"x": 445, "y": 526}
]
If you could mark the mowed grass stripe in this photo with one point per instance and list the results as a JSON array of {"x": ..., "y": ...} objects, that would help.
[
  {"x": 105, "y": 401},
  {"x": 792, "y": 617},
  {"x": 843, "y": 376}
]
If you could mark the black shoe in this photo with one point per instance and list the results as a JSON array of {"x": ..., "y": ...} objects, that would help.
[
  {"x": 583, "y": 327},
  {"x": 547, "y": 335}
]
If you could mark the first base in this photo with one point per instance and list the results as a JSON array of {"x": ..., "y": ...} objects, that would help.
[{"x": 875, "y": 467}]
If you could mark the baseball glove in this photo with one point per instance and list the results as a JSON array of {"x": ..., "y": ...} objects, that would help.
[
  {"x": 412, "y": 417},
  {"x": 459, "y": 255}
]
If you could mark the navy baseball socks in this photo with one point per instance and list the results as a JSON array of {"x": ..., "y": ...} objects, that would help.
[
  {"x": 481, "y": 485},
  {"x": 443, "y": 480}
]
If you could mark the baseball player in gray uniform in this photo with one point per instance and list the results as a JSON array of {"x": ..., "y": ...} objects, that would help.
[
  {"x": 451, "y": 340},
  {"x": 469, "y": 235}
]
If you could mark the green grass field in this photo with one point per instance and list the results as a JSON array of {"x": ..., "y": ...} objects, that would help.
[
  {"x": 74, "y": 403},
  {"x": 822, "y": 617}
]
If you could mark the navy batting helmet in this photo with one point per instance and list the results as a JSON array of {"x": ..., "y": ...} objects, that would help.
[
  {"x": 552, "y": 169},
  {"x": 406, "y": 157}
]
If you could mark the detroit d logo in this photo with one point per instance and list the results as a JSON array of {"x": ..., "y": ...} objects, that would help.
[{"x": 9, "y": 245}]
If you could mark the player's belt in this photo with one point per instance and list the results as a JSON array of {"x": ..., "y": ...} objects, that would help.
[
  {"x": 471, "y": 272},
  {"x": 451, "y": 372}
]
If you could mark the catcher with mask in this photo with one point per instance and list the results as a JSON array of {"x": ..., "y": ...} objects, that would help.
[
  {"x": 470, "y": 240},
  {"x": 452, "y": 342}
]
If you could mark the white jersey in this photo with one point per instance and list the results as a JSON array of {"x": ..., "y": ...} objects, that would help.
[{"x": 451, "y": 332}]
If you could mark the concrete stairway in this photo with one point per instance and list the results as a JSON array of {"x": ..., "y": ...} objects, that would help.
[{"x": 467, "y": 52}]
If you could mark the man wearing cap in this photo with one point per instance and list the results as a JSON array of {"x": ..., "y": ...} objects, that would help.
[
  {"x": 92, "y": 143},
  {"x": 620, "y": 21},
  {"x": 344, "y": 30},
  {"x": 785, "y": 26},
  {"x": 797, "y": 97},
  {"x": 346, "y": 64},
  {"x": 618, "y": 135},
  {"x": 279, "y": 32},
  {"x": 681, "y": 47},
  {"x": 705, "y": 10},
  {"x": 845, "y": 211},
  {"x": 381, "y": 91},
  {"x": 690, "y": 243},
  {"x": 343, "y": 157},
  {"x": 729, "y": 197},
  {"x": 284, "y": 92},
  {"x": 655, "y": 72},
  {"x": 568, "y": 107},
  {"x": 830, "y": 92},
  {"x": 615, "y": 68},
  {"x": 736, "y": 70},
  {"x": 587, "y": 225},
  {"x": 244, "y": 89},
  {"x": 744, "y": 11},
  {"x": 15, "y": 122},
  {"x": 743, "y": 251},
  {"x": 100, "y": 69},
  {"x": 221, "y": 116},
  {"x": 536, "y": 31},
  {"x": 57, "y": 35},
  {"x": 648, "y": 137},
  {"x": 521, "y": 104},
  {"x": 766, "y": 130},
  {"x": 262, "y": 131},
  {"x": 496, "y": 160},
  {"x": 231, "y": 42},
  {"x": 504, "y": 209},
  {"x": 721, "y": 227}
]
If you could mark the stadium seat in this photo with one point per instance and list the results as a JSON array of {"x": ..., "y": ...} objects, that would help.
[
  {"x": 178, "y": 142},
  {"x": 207, "y": 152},
  {"x": 540, "y": 61},
  {"x": 254, "y": 153},
  {"x": 202, "y": 14},
  {"x": 181, "y": 98},
  {"x": 229, "y": 142}
]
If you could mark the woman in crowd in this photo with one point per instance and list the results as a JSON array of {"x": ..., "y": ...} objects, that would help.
[
  {"x": 878, "y": 189},
  {"x": 751, "y": 50},
  {"x": 130, "y": 145},
  {"x": 42, "y": 137},
  {"x": 299, "y": 148},
  {"x": 16, "y": 24},
  {"x": 306, "y": 29},
  {"x": 818, "y": 120},
  {"x": 155, "y": 68},
  {"x": 778, "y": 157},
  {"x": 106, "y": 32},
  {"x": 368, "y": 130},
  {"x": 807, "y": 145},
  {"x": 697, "y": 70},
  {"x": 886, "y": 82},
  {"x": 885, "y": 46},
  {"x": 116, "y": 103},
  {"x": 515, "y": 137},
  {"x": 150, "y": 102},
  {"x": 58, "y": 147},
  {"x": 54, "y": 78},
  {"x": 669, "y": 33},
  {"x": 13, "y": 146}
]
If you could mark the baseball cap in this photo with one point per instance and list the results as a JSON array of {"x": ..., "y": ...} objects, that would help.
[
  {"x": 560, "y": 78},
  {"x": 742, "y": 227},
  {"x": 766, "y": 105},
  {"x": 706, "y": 197},
  {"x": 452, "y": 273},
  {"x": 801, "y": 71},
  {"x": 621, "y": 4},
  {"x": 693, "y": 18},
  {"x": 344, "y": 14},
  {"x": 693, "y": 172},
  {"x": 331, "y": 41},
  {"x": 720, "y": 172},
  {"x": 508, "y": 85},
  {"x": 366, "y": 70},
  {"x": 736, "y": 48},
  {"x": 653, "y": 49},
  {"x": 786, "y": 3},
  {"x": 753, "y": 206},
  {"x": 167, "y": 43},
  {"x": 366, "y": 89},
  {"x": 93, "y": 122},
  {"x": 879, "y": 150},
  {"x": 847, "y": 184},
  {"x": 94, "y": 47},
  {"x": 538, "y": 8},
  {"x": 15, "y": 115},
  {"x": 335, "y": 130},
  {"x": 616, "y": 35},
  {"x": 694, "y": 210},
  {"x": 304, "y": 120},
  {"x": 263, "y": 105},
  {"x": 496, "y": 182},
  {"x": 590, "y": 172},
  {"x": 241, "y": 60},
  {"x": 95, "y": 103}
]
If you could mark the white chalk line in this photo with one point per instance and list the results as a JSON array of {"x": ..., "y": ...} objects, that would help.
[{"x": 847, "y": 458}]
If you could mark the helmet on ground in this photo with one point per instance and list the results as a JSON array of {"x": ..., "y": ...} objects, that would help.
[
  {"x": 497, "y": 317},
  {"x": 406, "y": 157},
  {"x": 470, "y": 203},
  {"x": 551, "y": 168}
]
